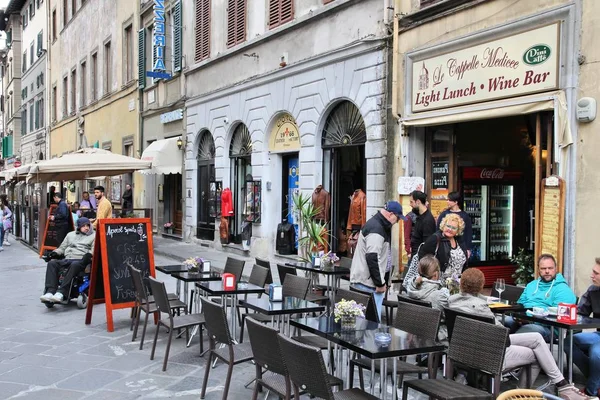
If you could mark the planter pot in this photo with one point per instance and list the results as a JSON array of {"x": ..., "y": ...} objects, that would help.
[{"x": 169, "y": 231}]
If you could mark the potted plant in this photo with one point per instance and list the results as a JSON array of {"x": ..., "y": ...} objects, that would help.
[
  {"x": 169, "y": 227},
  {"x": 193, "y": 264},
  {"x": 346, "y": 311},
  {"x": 328, "y": 260},
  {"x": 525, "y": 270},
  {"x": 312, "y": 234}
]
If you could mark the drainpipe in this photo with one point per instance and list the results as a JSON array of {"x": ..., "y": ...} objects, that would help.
[{"x": 386, "y": 12}]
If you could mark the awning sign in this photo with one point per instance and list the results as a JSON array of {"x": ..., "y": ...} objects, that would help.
[
  {"x": 524, "y": 63},
  {"x": 285, "y": 135}
]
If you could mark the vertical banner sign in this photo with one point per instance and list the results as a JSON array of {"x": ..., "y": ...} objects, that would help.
[
  {"x": 293, "y": 187},
  {"x": 119, "y": 242},
  {"x": 159, "y": 40}
]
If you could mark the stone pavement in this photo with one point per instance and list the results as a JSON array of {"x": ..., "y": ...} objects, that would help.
[{"x": 51, "y": 354}]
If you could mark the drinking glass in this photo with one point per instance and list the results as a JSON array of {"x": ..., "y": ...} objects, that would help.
[{"x": 500, "y": 286}]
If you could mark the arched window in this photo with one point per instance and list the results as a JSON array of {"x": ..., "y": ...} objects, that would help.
[
  {"x": 344, "y": 127},
  {"x": 206, "y": 147},
  {"x": 241, "y": 143}
]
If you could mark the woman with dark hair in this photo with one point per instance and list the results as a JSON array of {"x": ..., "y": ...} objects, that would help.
[
  {"x": 454, "y": 207},
  {"x": 5, "y": 222},
  {"x": 525, "y": 348}
]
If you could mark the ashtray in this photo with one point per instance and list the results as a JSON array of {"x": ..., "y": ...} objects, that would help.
[{"x": 383, "y": 338}]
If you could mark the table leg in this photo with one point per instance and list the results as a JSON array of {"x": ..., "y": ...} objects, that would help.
[
  {"x": 234, "y": 317},
  {"x": 395, "y": 378},
  {"x": 178, "y": 289},
  {"x": 348, "y": 383},
  {"x": 373, "y": 377},
  {"x": 185, "y": 293},
  {"x": 561, "y": 351},
  {"x": 331, "y": 367},
  {"x": 570, "y": 359}
]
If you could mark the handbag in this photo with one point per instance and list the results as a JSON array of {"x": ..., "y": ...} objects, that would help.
[
  {"x": 413, "y": 267},
  {"x": 7, "y": 224}
]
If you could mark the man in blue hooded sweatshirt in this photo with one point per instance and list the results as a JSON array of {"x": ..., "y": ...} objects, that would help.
[{"x": 548, "y": 290}]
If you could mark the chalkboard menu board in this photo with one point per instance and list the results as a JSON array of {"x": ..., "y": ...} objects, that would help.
[
  {"x": 119, "y": 242},
  {"x": 54, "y": 234}
]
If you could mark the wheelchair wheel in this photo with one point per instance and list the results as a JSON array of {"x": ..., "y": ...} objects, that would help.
[
  {"x": 82, "y": 300},
  {"x": 49, "y": 304}
]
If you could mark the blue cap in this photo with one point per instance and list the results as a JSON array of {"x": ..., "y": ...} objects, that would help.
[
  {"x": 83, "y": 221},
  {"x": 395, "y": 208}
]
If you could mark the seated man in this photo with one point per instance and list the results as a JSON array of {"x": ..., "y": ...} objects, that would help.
[
  {"x": 77, "y": 252},
  {"x": 548, "y": 290},
  {"x": 586, "y": 345}
]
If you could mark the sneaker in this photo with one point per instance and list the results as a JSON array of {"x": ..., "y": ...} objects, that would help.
[
  {"x": 6, "y": 243},
  {"x": 1, "y": 249},
  {"x": 58, "y": 297},
  {"x": 570, "y": 392},
  {"x": 46, "y": 297}
]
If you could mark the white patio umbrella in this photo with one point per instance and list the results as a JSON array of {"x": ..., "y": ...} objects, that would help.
[
  {"x": 18, "y": 172},
  {"x": 84, "y": 164}
]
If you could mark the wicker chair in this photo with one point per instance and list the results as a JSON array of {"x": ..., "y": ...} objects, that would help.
[
  {"x": 147, "y": 304},
  {"x": 511, "y": 293},
  {"x": 258, "y": 277},
  {"x": 283, "y": 271},
  {"x": 307, "y": 372},
  {"x": 364, "y": 298},
  {"x": 295, "y": 286},
  {"x": 526, "y": 394},
  {"x": 174, "y": 322},
  {"x": 413, "y": 319},
  {"x": 266, "y": 264},
  {"x": 405, "y": 299},
  {"x": 218, "y": 331},
  {"x": 476, "y": 345}
]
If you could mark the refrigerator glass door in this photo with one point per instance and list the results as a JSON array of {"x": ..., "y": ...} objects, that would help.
[
  {"x": 500, "y": 232},
  {"x": 474, "y": 197}
]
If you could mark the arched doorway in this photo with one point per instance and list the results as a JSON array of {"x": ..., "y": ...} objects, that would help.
[
  {"x": 207, "y": 187},
  {"x": 240, "y": 154},
  {"x": 344, "y": 165}
]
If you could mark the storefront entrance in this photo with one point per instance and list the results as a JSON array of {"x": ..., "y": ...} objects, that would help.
[
  {"x": 344, "y": 168},
  {"x": 240, "y": 153},
  {"x": 173, "y": 211},
  {"x": 206, "y": 175}
]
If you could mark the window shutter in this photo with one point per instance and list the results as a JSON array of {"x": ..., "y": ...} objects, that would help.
[
  {"x": 280, "y": 12},
  {"x": 236, "y": 22},
  {"x": 202, "y": 30},
  {"x": 177, "y": 37},
  {"x": 141, "y": 59},
  {"x": 39, "y": 42}
]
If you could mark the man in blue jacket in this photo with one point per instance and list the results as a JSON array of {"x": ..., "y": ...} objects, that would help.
[{"x": 548, "y": 290}]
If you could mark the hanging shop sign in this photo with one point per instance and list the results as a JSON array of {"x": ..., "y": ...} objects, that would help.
[
  {"x": 159, "y": 42},
  {"x": 439, "y": 173},
  {"x": 171, "y": 116},
  {"x": 285, "y": 135},
  {"x": 514, "y": 65}
]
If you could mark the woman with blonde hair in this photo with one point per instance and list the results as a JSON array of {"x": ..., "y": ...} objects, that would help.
[{"x": 444, "y": 246}]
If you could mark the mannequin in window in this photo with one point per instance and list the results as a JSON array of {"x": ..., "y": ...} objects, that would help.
[
  {"x": 321, "y": 201},
  {"x": 357, "y": 217}
]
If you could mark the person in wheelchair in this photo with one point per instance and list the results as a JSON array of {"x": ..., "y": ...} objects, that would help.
[{"x": 74, "y": 254}]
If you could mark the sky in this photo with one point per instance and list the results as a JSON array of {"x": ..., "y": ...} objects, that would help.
[{"x": 3, "y": 3}]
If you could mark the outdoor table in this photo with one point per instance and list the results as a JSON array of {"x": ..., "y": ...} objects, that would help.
[
  {"x": 287, "y": 307},
  {"x": 331, "y": 274},
  {"x": 362, "y": 340},
  {"x": 216, "y": 289},
  {"x": 187, "y": 277},
  {"x": 582, "y": 323},
  {"x": 171, "y": 269},
  {"x": 504, "y": 309}
]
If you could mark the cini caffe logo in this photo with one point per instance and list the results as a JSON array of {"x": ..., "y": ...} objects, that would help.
[
  {"x": 537, "y": 54},
  {"x": 488, "y": 173}
]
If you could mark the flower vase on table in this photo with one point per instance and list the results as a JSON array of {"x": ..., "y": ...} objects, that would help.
[
  {"x": 193, "y": 265},
  {"x": 328, "y": 260},
  {"x": 345, "y": 312},
  {"x": 348, "y": 322}
]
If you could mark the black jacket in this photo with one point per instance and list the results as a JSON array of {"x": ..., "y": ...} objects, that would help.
[
  {"x": 443, "y": 249},
  {"x": 423, "y": 228}
]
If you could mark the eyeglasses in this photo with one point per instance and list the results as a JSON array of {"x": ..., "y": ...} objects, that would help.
[{"x": 452, "y": 228}]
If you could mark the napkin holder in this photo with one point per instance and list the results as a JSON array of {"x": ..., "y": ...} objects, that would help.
[
  {"x": 228, "y": 281},
  {"x": 206, "y": 266},
  {"x": 567, "y": 313},
  {"x": 275, "y": 292},
  {"x": 316, "y": 261}
]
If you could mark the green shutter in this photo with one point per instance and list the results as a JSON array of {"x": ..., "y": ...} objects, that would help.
[
  {"x": 177, "y": 37},
  {"x": 141, "y": 58},
  {"x": 9, "y": 37}
]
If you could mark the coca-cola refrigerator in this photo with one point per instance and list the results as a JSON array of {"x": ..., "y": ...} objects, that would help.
[{"x": 489, "y": 199}]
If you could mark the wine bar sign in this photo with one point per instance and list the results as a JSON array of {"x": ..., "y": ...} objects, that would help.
[{"x": 527, "y": 62}]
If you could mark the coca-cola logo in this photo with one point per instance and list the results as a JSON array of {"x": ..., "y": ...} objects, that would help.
[{"x": 497, "y": 173}]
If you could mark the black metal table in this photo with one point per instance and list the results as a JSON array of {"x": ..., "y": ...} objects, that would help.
[
  {"x": 332, "y": 275},
  {"x": 287, "y": 307},
  {"x": 171, "y": 269},
  {"x": 362, "y": 340},
  {"x": 187, "y": 277},
  {"x": 582, "y": 323}
]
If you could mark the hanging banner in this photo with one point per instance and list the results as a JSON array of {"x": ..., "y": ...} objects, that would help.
[
  {"x": 285, "y": 135},
  {"x": 514, "y": 65}
]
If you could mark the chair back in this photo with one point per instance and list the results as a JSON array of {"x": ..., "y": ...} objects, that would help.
[
  {"x": 216, "y": 321},
  {"x": 159, "y": 291},
  {"x": 595, "y": 300},
  {"x": 140, "y": 289},
  {"x": 511, "y": 293},
  {"x": 305, "y": 367},
  {"x": 418, "y": 320},
  {"x": 295, "y": 286},
  {"x": 405, "y": 299},
  {"x": 345, "y": 262},
  {"x": 267, "y": 265},
  {"x": 235, "y": 267},
  {"x": 364, "y": 298},
  {"x": 258, "y": 276},
  {"x": 478, "y": 345},
  {"x": 265, "y": 346},
  {"x": 284, "y": 270},
  {"x": 450, "y": 316}
]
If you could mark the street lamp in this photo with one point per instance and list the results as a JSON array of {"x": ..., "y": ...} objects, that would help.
[{"x": 179, "y": 143}]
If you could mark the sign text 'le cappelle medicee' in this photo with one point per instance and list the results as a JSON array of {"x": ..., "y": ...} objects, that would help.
[{"x": 524, "y": 63}]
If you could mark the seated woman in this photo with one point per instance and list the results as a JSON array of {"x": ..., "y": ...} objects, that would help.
[
  {"x": 525, "y": 348},
  {"x": 427, "y": 287},
  {"x": 444, "y": 246}
]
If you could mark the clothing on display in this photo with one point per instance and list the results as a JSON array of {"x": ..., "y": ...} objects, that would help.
[
  {"x": 321, "y": 201},
  {"x": 357, "y": 215},
  {"x": 226, "y": 203},
  {"x": 224, "y": 230}
]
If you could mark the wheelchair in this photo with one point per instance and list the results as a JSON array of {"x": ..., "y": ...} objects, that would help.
[{"x": 78, "y": 288}]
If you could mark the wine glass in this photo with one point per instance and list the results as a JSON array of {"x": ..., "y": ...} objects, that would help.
[{"x": 500, "y": 286}]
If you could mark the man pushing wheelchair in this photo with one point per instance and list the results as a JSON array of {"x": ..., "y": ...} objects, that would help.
[{"x": 71, "y": 258}]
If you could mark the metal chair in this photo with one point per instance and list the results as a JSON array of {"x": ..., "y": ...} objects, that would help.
[
  {"x": 283, "y": 270},
  {"x": 174, "y": 322},
  {"x": 475, "y": 344},
  {"x": 258, "y": 276},
  {"x": 511, "y": 293},
  {"x": 364, "y": 298},
  {"x": 235, "y": 267},
  {"x": 307, "y": 372},
  {"x": 145, "y": 303},
  {"x": 414, "y": 319},
  {"x": 295, "y": 286},
  {"x": 267, "y": 265},
  {"x": 405, "y": 299},
  {"x": 218, "y": 331}
]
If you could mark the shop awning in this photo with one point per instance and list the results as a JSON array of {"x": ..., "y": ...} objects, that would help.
[
  {"x": 19, "y": 173},
  {"x": 165, "y": 156}
]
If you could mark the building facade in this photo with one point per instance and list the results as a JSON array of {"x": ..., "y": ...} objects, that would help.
[
  {"x": 283, "y": 97},
  {"x": 93, "y": 83},
  {"x": 486, "y": 96}
]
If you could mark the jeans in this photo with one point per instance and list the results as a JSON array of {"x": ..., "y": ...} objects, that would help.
[
  {"x": 586, "y": 355},
  {"x": 1, "y": 235},
  {"x": 515, "y": 327},
  {"x": 378, "y": 296}
]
